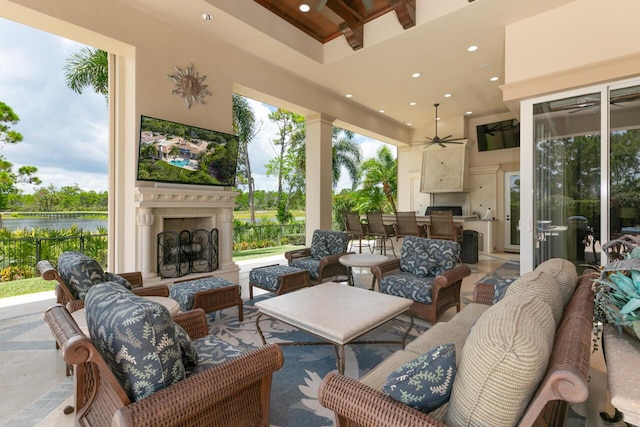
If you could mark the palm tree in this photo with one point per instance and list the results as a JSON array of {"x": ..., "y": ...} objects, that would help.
[
  {"x": 244, "y": 125},
  {"x": 88, "y": 68},
  {"x": 382, "y": 172},
  {"x": 345, "y": 154}
]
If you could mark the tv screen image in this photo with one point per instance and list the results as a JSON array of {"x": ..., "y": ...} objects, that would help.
[
  {"x": 498, "y": 135},
  {"x": 178, "y": 153}
]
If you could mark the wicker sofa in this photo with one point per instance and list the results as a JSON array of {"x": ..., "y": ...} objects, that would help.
[{"x": 525, "y": 358}]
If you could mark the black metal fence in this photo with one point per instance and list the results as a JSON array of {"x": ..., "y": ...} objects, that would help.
[{"x": 18, "y": 257}]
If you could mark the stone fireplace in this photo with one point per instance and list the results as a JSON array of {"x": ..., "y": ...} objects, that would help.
[{"x": 177, "y": 208}]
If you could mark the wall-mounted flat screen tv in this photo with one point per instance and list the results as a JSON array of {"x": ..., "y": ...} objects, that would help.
[
  {"x": 498, "y": 135},
  {"x": 177, "y": 153}
]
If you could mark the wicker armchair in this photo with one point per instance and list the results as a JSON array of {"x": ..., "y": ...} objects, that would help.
[
  {"x": 322, "y": 258},
  {"x": 426, "y": 272},
  {"x": 65, "y": 294},
  {"x": 234, "y": 393}
]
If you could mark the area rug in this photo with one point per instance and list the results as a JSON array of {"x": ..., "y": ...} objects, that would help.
[{"x": 294, "y": 392}]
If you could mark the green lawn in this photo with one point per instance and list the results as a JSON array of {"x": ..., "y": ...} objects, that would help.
[{"x": 25, "y": 286}]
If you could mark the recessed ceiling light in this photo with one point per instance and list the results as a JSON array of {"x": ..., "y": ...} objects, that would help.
[
  {"x": 380, "y": 111},
  {"x": 437, "y": 118},
  {"x": 415, "y": 75},
  {"x": 469, "y": 113},
  {"x": 207, "y": 16},
  {"x": 412, "y": 103},
  {"x": 494, "y": 78},
  {"x": 409, "y": 124},
  {"x": 472, "y": 48},
  {"x": 485, "y": 65},
  {"x": 349, "y": 95},
  {"x": 447, "y": 95},
  {"x": 304, "y": 8}
]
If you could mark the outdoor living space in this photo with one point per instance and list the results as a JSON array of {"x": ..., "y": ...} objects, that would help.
[{"x": 39, "y": 390}]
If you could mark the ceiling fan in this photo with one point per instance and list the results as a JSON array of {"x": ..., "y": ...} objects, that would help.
[{"x": 441, "y": 141}]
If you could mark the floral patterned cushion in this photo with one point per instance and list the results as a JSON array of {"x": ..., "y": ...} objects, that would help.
[
  {"x": 270, "y": 277},
  {"x": 326, "y": 242},
  {"x": 185, "y": 292},
  {"x": 189, "y": 352},
  {"x": 428, "y": 257},
  {"x": 136, "y": 337},
  {"x": 425, "y": 382},
  {"x": 310, "y": 264},
  {"x": 111, "y": 277},
  {"x": 407, "y": 285},
  {"x": 213, "y": 351},
  {"x": 79, "y": 272}
]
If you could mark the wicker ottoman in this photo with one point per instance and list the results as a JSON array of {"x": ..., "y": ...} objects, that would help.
[
  {"x": 209, "y": 294},
  {"x": 278, "y": 279}
]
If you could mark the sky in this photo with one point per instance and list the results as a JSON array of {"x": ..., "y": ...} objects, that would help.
[{"x": 65, "y": 133}]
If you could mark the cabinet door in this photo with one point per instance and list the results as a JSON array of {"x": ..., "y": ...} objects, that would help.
[
  {"x": 483, "y": 192},
  {"x": 442, "y": 169}
]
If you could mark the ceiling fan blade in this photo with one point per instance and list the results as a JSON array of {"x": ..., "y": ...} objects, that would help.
[
  {"x": 321, "y": 5},
  {"x": 446, "y": 137},
  {"x": 427, "y": 145},
  {"x": 442, "y": 145},
  {"x": 430, "y": 139}
]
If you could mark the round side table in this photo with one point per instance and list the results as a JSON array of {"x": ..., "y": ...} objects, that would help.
[{"x": 361, "y": 260}]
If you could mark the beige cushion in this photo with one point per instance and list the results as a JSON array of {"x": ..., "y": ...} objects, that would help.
[
  {"x": 438, "y": 334},
  {"x": 469, "y": 315},
  {"x": 565, "y": 274},
  {"x": 543, "y": 286},
  {"x": 502, "y": 362}
]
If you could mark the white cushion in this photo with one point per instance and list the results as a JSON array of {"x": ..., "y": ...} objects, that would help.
[{"x": 542, "y": 285}]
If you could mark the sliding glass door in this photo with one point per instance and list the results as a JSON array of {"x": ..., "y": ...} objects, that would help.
[{"x": 582, "y": 151}]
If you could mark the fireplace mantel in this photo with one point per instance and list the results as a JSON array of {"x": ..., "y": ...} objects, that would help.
[
  {"x": 154, "y": 204},
  {"x": 160, "y": 197}
]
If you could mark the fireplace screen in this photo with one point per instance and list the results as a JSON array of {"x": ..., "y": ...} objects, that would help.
[{"x": 180, "y": 254}]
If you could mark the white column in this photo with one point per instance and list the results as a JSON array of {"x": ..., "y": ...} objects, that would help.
[
  {"x": 319, "y": 128},
  {"x": 225, "y": 240},
  {"x": 145, "y": 221}
]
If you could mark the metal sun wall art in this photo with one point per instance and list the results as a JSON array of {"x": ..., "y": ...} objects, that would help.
[{"x": 189, "y": 85}]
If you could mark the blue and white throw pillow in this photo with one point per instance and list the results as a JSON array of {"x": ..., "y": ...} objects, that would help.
[{"x": 425, "y": 382}]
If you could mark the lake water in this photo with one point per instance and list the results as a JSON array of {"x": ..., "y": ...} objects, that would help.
[{"x": 87, "y": 224}]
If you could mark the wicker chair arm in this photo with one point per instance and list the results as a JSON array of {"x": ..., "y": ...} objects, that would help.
[
  {"x": 332, "y": 259},
  {"x": 75, "y": 305},
  {"x": 134, "y": 278},
  {"x": 483, "y": 293},
  {"x": 297, "y": 253},
  {"x": 46, "y": 270},
  {"x": 380, "y": 270},
  {"x": 179, "y": 403},
  {"x": 194, "y": 322},
  {"x": 450, "y": 277},
  {"x": 152, "y": 291},
  {"x": 354, "y": 402}
]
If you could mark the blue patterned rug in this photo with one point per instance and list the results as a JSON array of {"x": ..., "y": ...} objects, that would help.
[{"x": 294, "y": 392}]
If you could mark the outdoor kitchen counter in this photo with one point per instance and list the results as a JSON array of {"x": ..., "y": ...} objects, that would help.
[{"x": 469, "y": 222}]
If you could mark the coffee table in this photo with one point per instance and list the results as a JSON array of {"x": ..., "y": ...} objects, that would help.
[
  {"x": 336, "y": 313},
  {"x": 361, "y": 260}
]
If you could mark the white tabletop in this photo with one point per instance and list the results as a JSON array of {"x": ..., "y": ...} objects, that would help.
[
  {"x": 81, "y": 319},
  {"x": 362, "y": 260},
  {"x": 335, "y": 312}
]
